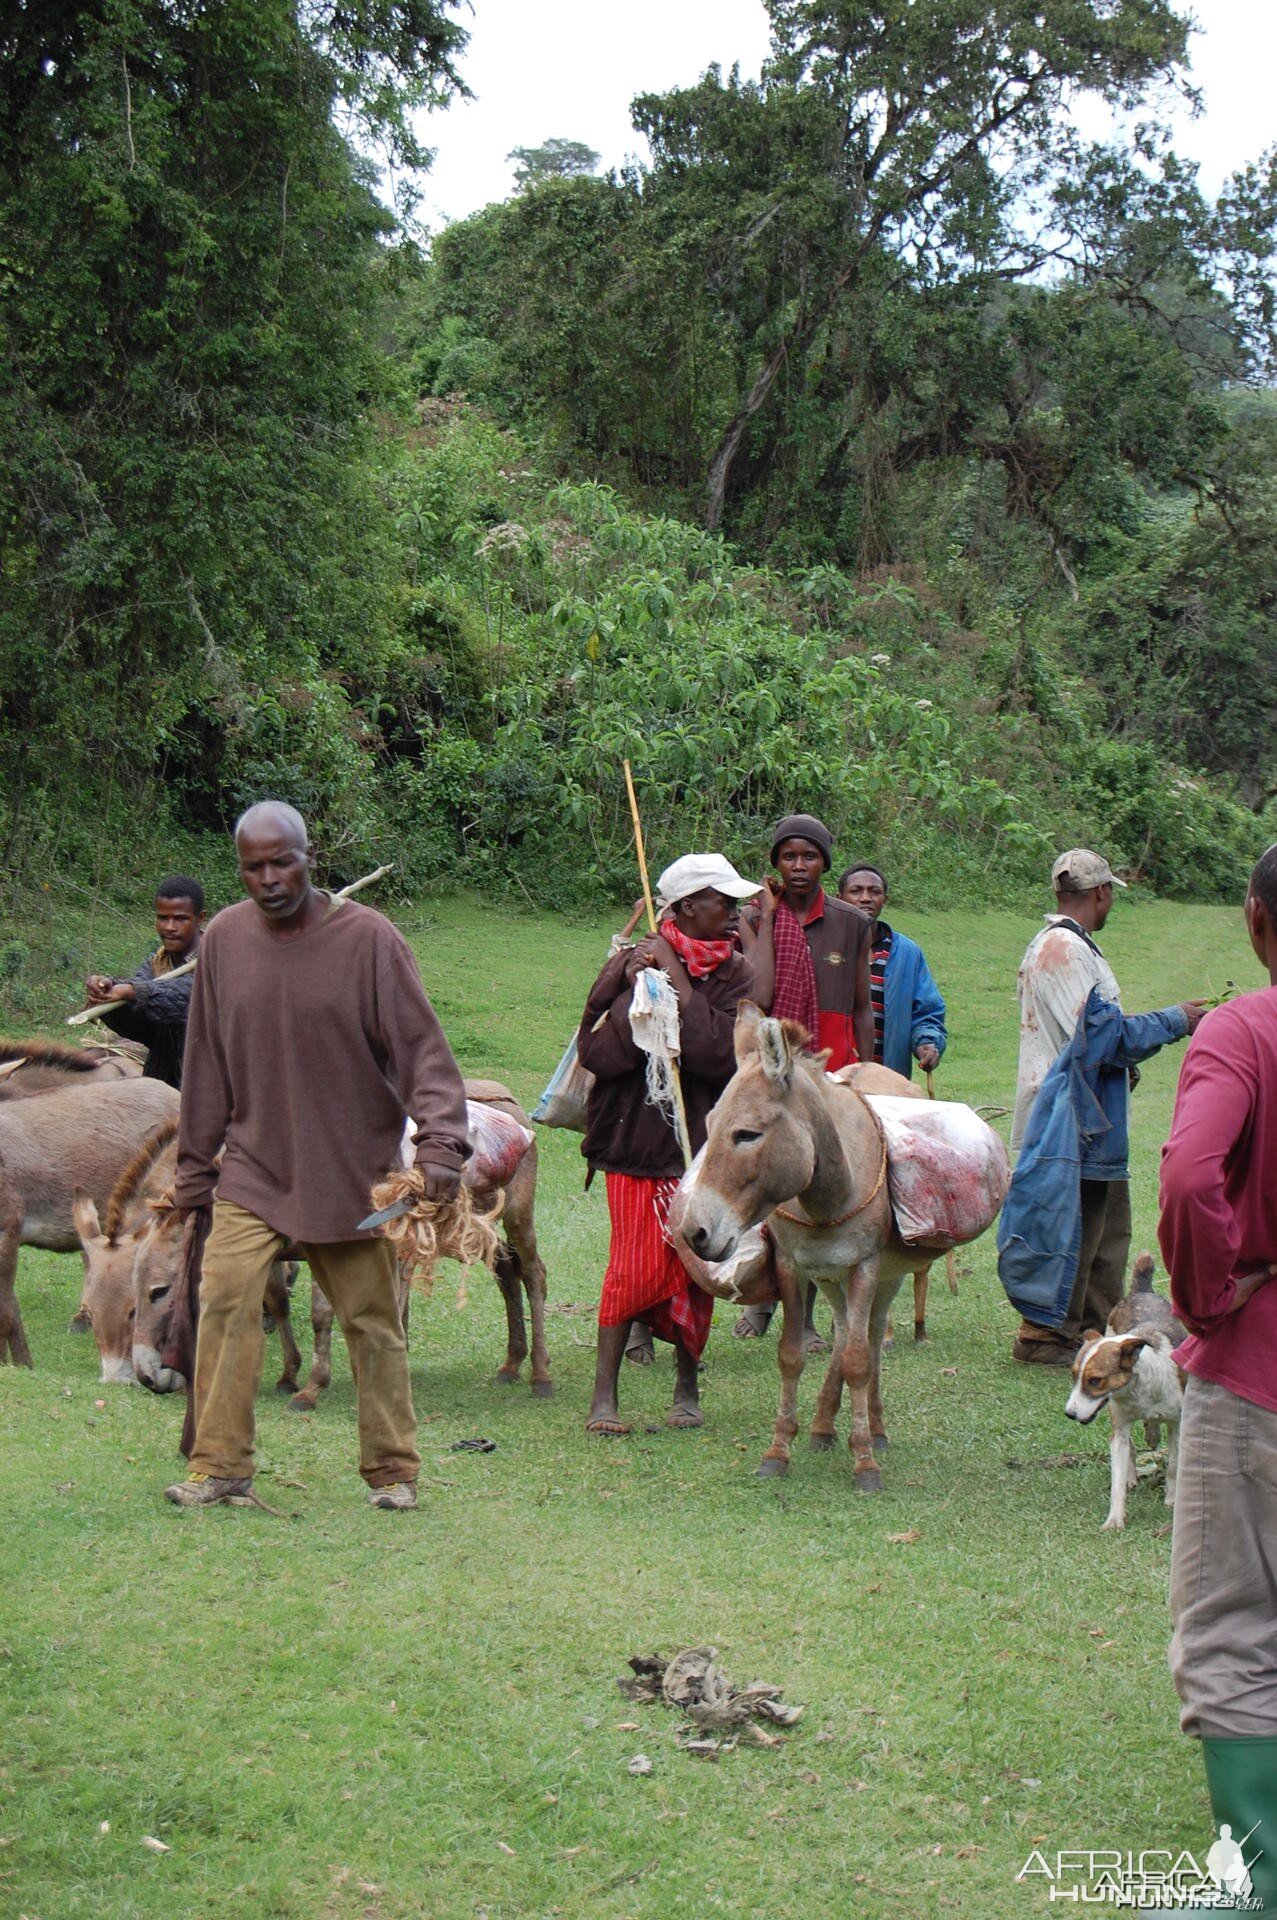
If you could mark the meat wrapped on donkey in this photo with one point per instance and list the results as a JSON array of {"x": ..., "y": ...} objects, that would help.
[{"x": 83, "y": 1137}]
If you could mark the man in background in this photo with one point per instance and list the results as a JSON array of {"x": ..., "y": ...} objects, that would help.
[
  {"x": 1060, "y": 969},
  {"x": 150, "y": 1006},
  {"x": 908, "y": 1010},
  {"x": 1219, "y": 1238}
]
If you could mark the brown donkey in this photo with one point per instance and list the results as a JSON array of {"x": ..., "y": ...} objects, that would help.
[
  {"x": 83, "y": 1137},
  {"x": 791, "y": 1146},
  {"x": 34, "y": 1066}
]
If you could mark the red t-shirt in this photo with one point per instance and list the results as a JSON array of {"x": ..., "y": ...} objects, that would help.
[{"x": 1219, "y": 1176}]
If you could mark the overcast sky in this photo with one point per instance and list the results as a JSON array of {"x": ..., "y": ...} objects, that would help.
[{"x": 569, "y": 69}]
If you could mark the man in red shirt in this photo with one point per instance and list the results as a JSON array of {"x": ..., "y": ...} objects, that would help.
[
  {"x": 1219, "y": 1237},
  {"x": 811, "y": 951}
]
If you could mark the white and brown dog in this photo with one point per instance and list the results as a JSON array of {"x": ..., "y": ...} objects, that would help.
[{"x": 1129, "y": 1368}]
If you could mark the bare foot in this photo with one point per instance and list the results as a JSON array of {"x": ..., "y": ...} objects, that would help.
[
  {"x": 752, "y": 1324},
  {"x": 604, "y": 1423},
  {"x": 812, "y": 1341},
  {"x": 639, "y": 1350}
]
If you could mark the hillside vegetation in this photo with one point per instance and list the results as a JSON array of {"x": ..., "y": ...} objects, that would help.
[{"x": 882, "y": 449}]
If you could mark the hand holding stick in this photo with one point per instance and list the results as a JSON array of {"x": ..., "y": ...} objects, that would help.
[{"x": 679, "y": 1108}]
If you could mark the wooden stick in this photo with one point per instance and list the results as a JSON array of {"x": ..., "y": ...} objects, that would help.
[
  {"x": 950, "y": 1264},
  {"x": 188, "y": 966},
  {"x": 680, "y": 1110}
]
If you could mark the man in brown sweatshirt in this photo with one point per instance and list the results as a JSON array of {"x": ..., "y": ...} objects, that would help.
[{"x": 310, "y": 1040}]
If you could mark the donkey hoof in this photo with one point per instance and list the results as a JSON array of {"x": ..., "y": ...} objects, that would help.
[
  {"x": 504, "y": 1379},
  {"x": 769, "y": 1468},
  {"x": 286, "y": 1386},
  {"x": 543, "y": 1389},
  {"x": 880, "y": 1443},
  {"x": 888, "y": 1344},
  {"x": 301, "y": 1403},
  {"x": 821, "y": 1442},
  {"x": 920, "y": 1335},
  {"x": 868, "y": 1480}
]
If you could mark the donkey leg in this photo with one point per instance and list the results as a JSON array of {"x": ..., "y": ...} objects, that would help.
[
  {"x": 830, "y": 1396},
  {"x": 321, "y": 1366},
  {"x": 278, "y": 1304},
  {"x": 791, "y": 1357},
  {"x": 13, "y": 1341},
  {"x": 510, "y": 1280},
  {"x": 920, "y": 1280},
  {"x": 861, "y": 1287},
  {"x": 534, "y": 1282},
  {"x": 879, "y": 1320}
]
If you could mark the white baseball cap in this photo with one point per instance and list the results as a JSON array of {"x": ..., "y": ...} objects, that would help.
[{"x": 697, "y": 871}]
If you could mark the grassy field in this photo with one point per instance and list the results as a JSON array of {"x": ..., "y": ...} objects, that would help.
[{"x": 349, "y": 1713}]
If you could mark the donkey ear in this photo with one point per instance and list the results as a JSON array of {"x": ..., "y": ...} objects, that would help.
[
  {"x": 748, "y": 1020},
  {"x": 775, "y": 1052},
  {"x": 85, "y": 1216}
]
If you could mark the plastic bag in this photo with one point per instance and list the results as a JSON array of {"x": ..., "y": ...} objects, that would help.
[
  {"x": 947, "y": 1170},
  {"x": 746, "y": 1279},
  {"x": 563, "y": 1104}
]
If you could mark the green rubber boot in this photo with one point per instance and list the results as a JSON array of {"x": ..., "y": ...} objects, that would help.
[{"x": 1242, "y": 1777}]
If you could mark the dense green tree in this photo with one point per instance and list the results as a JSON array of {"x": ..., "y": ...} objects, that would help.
[
  {"x": 552, "y": 160},
  {"x": 193, "y": 553}
]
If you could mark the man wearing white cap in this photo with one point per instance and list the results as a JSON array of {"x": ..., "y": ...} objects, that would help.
[
  {"x": 634, "y": 1143},
  {"x": 1059, "y": 970}
]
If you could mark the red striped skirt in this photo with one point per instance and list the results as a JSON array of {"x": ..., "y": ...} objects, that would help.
[{"x": 645, "y": 1279}]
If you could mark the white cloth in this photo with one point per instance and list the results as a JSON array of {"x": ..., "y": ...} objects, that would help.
[{"x": 1056, "y": 976}]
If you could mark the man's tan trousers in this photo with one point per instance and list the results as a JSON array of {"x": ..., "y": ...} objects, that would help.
[{"x": 359, "y": 1280}]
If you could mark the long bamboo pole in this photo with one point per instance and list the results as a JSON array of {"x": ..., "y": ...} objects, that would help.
[
  {"x": 188, "y": 966},
  {"x": 684, "y": 1139}
]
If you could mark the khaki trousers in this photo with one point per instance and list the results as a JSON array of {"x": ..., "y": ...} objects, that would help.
[
  {"x": 1223, "y": 1650},
  {"x": 360, "y": 1282}
]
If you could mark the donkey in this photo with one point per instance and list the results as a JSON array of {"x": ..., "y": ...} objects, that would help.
[
  {"x": 783, "y": 1128},
  {"x": 519, "y": 1268},
  {"x": 82, "y": 1137},
  {"x": 35, "y": 1066}
]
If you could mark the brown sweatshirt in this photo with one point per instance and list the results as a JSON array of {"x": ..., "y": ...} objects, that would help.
[{"x": 303, "y": 1056}]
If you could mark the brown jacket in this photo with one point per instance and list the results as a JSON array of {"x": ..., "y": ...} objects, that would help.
[
  {"x": 624, "y": 1133},
  {"x": 304, "y": 1055}
]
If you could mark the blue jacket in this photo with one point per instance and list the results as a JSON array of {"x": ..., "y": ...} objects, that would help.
[
  {"x": 1077, "y": 1131},
  {"x": 913, "y": 1011}
]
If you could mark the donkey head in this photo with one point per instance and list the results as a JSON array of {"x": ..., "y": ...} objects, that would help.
[
  {"x": 107, "y": 1299},
  {"x": 759, "y": 1150},
  {"x": 157, "y": 1269}
]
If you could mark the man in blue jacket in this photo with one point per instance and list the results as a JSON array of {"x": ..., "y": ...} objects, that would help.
[
  {"x": 1065, "y": 1233},
  {"x": 908, "y": 1009}
]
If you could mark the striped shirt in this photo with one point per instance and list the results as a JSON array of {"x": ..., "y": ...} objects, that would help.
[{"x": 879, "y": 954}]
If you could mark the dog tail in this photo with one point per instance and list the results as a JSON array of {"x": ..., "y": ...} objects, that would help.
[{"x": 1142, "y": 1274}]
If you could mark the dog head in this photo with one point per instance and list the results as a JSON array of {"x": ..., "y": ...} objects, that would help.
[{"x": 1103, "y": 1367}]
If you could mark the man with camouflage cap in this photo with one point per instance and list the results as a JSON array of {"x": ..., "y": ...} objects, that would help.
[{"x": 1061, "y": 967}]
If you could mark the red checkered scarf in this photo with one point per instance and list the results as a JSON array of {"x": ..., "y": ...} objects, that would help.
[
  {"x": 794, "y": 997},
  {"x": 700, "y": 957}
]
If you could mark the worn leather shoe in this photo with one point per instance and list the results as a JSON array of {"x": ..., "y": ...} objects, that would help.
[
  {"x": 400, "y": 1496},
  {"x": 207, "y": 1490}
]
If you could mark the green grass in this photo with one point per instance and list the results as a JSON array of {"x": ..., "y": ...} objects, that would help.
[{"x": 357, "y": 1714}]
